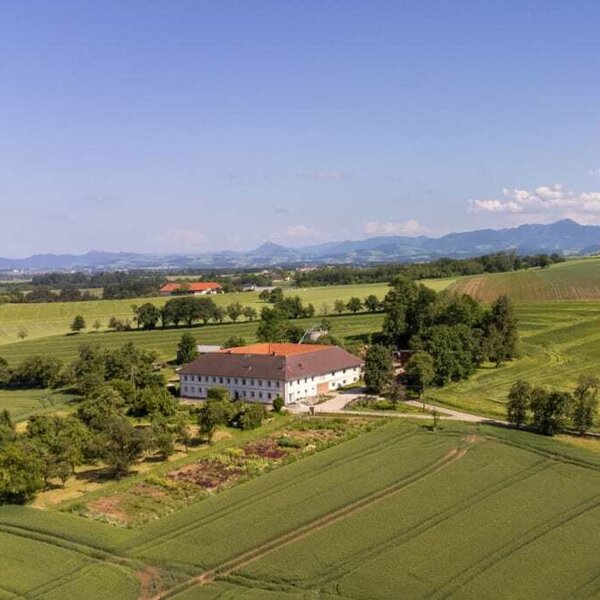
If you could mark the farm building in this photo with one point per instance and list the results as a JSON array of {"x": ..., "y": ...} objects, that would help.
[
  {"x": 260, "y": 372},
  {"x": 200, "y": 288}
]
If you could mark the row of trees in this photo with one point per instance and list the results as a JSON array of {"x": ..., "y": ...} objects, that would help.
[
  {"x": 550, "y": 411},
  {"x": 444, "y": 267}
]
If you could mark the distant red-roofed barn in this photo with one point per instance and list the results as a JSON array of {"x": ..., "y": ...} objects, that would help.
[
  {"x": 260, "y": 372},
  {"x": 200, "y": 288}
]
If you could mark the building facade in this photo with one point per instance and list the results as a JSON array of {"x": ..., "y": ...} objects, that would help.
[{"x": 261, "y": 372}]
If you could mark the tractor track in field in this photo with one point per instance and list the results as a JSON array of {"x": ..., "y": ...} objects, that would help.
[
  {"x": 255, "y": 554},
  {"x": 458, "y": 581},
  {"x": 187, "y": 527}
]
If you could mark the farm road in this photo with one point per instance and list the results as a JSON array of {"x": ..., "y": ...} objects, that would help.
[{"x": 342, "y": 399}]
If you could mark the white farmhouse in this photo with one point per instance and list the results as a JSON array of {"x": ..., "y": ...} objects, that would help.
[{"x": 260, "y": 372}]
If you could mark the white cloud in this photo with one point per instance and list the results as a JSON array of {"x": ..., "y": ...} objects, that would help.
[
  {"x": 550, "y": 201},
  {"x": 594, "y": 171},
  {"x": 411, "y": 227},
  {"x": 182, "y": 239}
]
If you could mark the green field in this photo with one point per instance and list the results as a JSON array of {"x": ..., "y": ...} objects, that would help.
[
  {"x": 466, "y": 512},
  {"x": 43, "y": 320},
  {"x": 164, "y": 341},
  {"x": 571, "y": 280},
  {"x": 559, "y": 342}
]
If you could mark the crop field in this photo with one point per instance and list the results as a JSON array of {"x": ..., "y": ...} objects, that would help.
[
  {"x": 43, "y": 320},
  {"x": 164, "y": 341},
  {"x": 465, "y": 512},
  {"x": 559, "y": 342},
  {"x": 572, "y": 280}
]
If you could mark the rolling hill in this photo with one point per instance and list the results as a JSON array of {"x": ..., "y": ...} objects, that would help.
[{"x": 572, "y": 280}]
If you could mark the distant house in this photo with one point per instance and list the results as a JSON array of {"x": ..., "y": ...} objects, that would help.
[
  {"x": 200, "y": 288},
  {"x": 260, "y": 372}
]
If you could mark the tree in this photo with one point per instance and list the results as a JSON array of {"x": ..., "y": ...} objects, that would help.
[
  {"x": 97, "y": 325},
  {"x": 182, "y": 429},
  {"x": 162, "y": 438},
  {"x": 272, "y": 326},
  {"x": 585, "y": 403},
  {"x": 235, "y": 311},
  {"x": 218, "y": 314},
  {"x": 212, "y": 414},
  {"x": 265, "y": 295},
  {"x": 396, "y": 304},
  {"x": 22, "y": 333},
  {"x": 249, "y": 416},
  {"x": 38, "y": 371},
  {"x": 372, "y": 303},
  {"x": 154, "y": 401},
  {"x": 354, "y": 305},
  {"x": 20, "y": 473},
  {"x": 339, "y": 306},
  {"x": 378, "y": 368},
  {"x": 519, "y": 400},
  {"x": 501, "y": 327},
  {"x": 147, "y": 315},
  {"x": 119, "y": 444},
  {"x": 250, "y": 313},
  {"x": 234, "y": 341},
  {"x": 549, "y": 410},
  {"x": 187, "y": 349},
  {"x": 278, "y": 403},
  {"x": 78, "y": 324},
  {"x": 419, "y": 371}
]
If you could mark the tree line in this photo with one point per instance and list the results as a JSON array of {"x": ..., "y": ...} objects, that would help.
[
  {"x": 498, "y": 262},
  {"x": 550, "y": 411}
]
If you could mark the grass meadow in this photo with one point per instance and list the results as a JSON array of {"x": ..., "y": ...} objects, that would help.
[{"x": 467, "y": 511}]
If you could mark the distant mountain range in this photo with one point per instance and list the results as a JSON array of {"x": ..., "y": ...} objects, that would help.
[{"x": 564, "y": 236}]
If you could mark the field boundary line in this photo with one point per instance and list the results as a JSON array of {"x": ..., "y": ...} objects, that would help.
[{"x": 252, "y": 555}]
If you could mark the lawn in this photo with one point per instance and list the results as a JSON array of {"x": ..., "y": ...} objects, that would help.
[
  {"x": 375, "y": 516},
  {"x": 577, "y": 279}
]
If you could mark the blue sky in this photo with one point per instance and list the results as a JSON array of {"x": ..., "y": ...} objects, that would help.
[{"x": 192, "y": 126}]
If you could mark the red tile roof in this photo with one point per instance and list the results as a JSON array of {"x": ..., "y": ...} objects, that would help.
[
  {"x": 201, "y": 286},
  {"x": 276, "y": 349},
  {"x": 311, "y": 361}
]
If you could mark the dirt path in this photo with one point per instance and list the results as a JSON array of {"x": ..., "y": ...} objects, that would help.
[{"x": 289, "y": 538}]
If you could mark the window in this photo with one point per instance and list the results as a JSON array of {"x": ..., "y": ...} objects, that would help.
[
  {"x": 259, "y": 382},
  {"x": 252, "y": 382},
  {"x": 243, "y": 382},
  {"x": 252, "y": 394},
  {"x": 269, "y": 396},
  {"x": 228, "y": 380},
  {"x": 268, "y": 383},
  {"x": 220, "y": 380},
  {"x": 260, "y": 394},
  {"x": 236, "y": 381}
]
